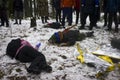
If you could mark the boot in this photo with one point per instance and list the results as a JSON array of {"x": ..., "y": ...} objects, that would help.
[
  {"x": 34, "y": 70},
  {"x": 116, "y": 29},
  {"x": 47, "y": 68}
]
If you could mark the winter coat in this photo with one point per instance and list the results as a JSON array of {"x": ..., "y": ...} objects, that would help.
[
  {"x": 77, "y": 4},
  {"x": 88, "y": 6},
  {"x": 3, "y": 7},
  {"x": 118, "y": 5},
  {"x": 67, "y": 3},
  {"x": 18, "y": 5},
  {"x": 104, "y": 5},
  {"x": 111, "y": 6},
  {"x": 69, "y": 37},
  {"x": 42, "y": 7},
  {"x": 56, "y": 4},
  {"x": 20, "y": 50}
]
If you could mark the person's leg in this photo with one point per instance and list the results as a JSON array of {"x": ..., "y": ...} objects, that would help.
[
  {"x": 119, "y": 18},
  {"x": 64, "y": 16},
  {"x": 105, "y": 18},
  {"x": 43, "y": 20},
  {"x": 59, "y": 14},
  {"x": 83, "y": 20},
  {"x": 6, "y": 18},
  {"x": 110, "y": 16},
  {"x": 16, "y": 16},
  {"x": 2, "y": 21},
  {"x": 69, "y": 12},
  {"x": 77, "y": 16},
  {"x": 116, "y": 22},
  {"x": 20, "y": 16},
  {"x": 92, "y": 21},
  {"x": 37, "y": 59},
  {"x": 46, "y": 18}
]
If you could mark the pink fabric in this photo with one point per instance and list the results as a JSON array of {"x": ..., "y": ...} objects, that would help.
[{"x": 23, "y": 43}]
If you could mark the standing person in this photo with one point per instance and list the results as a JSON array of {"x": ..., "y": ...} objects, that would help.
[
  {"x": 118, "y": 11},
  {"x": 43, "y": 10},
  {"x": 3, "y": 13},
  {"x": 56, "y": 5},
  {"x": 88, "y": 8},
  {"x": 18, "y": 10},
  {"x": 105, "y": 12},
  {"x": 111, "y": 8},
  {"x": 67, "y": 9},
  {"x": 77, "y": 9}
]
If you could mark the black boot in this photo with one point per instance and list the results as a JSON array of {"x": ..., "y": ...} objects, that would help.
[
  {"x": 34, "y": 69},
  {"x": 47, "y": 68},
  {"x": 116, "y": 29}
]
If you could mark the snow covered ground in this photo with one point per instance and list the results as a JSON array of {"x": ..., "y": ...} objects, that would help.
[{"x": 62, "y": 59}]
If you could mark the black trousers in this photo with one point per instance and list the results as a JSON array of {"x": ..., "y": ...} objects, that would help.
[
  {"x": 84, "y": 17},
  {"x": 77, "y": 16},
  {"x": 58, "y": 15},
  {"x": 4, "y": 18},
  {"x": 112, "y": 17},
  {"x": 29, "y": 54}
]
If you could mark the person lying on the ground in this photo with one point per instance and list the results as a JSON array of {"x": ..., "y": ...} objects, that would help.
[
  {"x": 68, "y": 37},
  {"x": 115, "y": 43},
  {"x": 54, "y": 25},
  {"x": 23, "y": 51}
]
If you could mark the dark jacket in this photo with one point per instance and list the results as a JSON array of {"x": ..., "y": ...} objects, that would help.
[
  {"x": 118, "y": 5},
  {"x": 18, "y": 5},
  {"x": 56, "y": 4},
  {"x": 104, "y": 5},
  {"x": 26, "y": 53},
  {"x": 69, "y": 37},
  {"x": 111, "y": 6},
  {"x": 88, "y": 6}
]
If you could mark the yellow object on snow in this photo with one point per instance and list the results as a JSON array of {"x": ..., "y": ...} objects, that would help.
[{"x": 80, "y": 57}]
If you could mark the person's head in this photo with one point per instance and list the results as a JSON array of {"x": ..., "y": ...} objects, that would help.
[{"x": 55, "y": 38}]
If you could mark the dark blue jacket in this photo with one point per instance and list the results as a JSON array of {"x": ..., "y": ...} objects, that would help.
[
  {"x": 111, "y": 6},
  {"x": 88, "y": 6},
  {"x": 118, "y": 1},
  {"x": 56, "y": 4}
]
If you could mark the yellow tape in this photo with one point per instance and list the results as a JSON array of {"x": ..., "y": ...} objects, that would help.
[
  {"x": 80, "y": 57},
  {"x": 106, "y": 58}
]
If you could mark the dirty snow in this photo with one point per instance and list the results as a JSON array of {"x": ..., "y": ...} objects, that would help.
[{"x": 62, "y": 59}]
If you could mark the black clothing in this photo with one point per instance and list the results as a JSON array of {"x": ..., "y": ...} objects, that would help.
[{"x": 27, "y": 54}]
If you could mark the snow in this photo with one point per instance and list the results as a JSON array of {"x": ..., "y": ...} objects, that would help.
[{"x": 62, "y": 59}]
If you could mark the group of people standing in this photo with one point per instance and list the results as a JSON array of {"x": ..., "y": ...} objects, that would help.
[
  {"x": 64, "y": 12},
  {"x": 17, "y": 11},
  {"x": 85, "y": 8}
]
